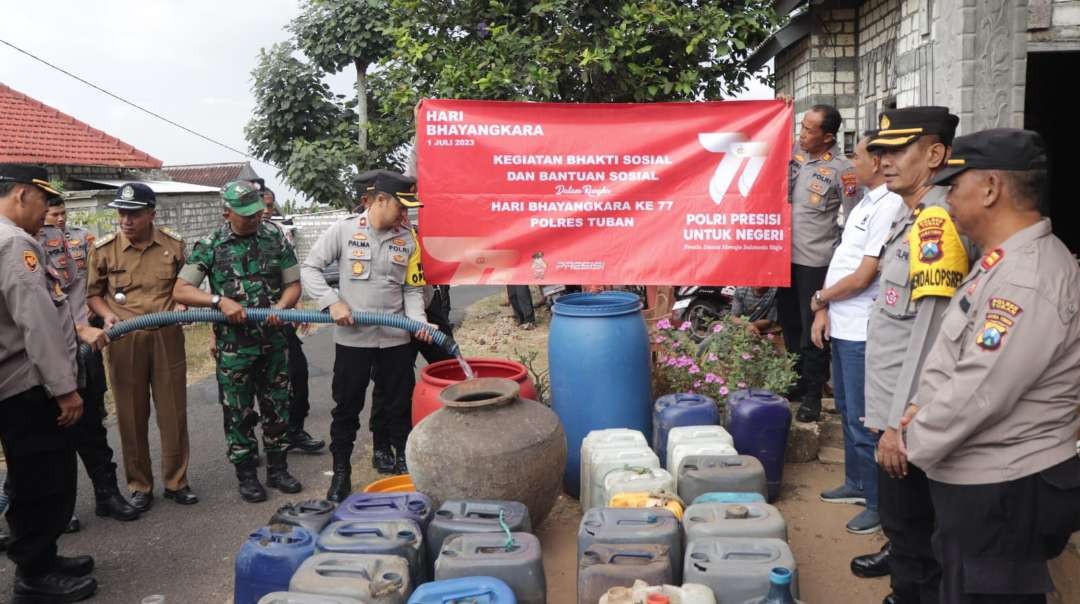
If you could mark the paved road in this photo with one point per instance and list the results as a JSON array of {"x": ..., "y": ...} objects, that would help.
[{"x": 187, "y": 553}]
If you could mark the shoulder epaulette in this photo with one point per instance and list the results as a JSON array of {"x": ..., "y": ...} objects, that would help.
[
  {"x": 171, "y": 233},
  {"x": 104, "y": 240}
]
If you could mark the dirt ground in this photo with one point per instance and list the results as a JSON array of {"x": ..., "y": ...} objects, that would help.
[{"x": 823, "y": 549}]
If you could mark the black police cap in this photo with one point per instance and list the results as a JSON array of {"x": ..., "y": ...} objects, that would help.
[
  {"x": 28, "y": 175},
  {"x": 994, "y": 149},
  {"x": 901, "y": 127},
  {"x": 402, "y": 187},
  {"x": 134, "y": 196}
]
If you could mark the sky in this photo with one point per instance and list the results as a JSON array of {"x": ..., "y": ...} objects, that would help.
[{"x": 189, "y": 61}]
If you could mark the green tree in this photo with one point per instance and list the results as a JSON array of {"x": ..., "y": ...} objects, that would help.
[
  {"x": 565, "y": 50},
  {"x": 297, "y": 118},
  {"x": 336, "y": 34}
]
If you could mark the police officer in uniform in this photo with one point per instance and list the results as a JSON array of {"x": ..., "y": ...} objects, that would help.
[
  {"x": 38, "y": 397},
  {"x": 821, "y": 185},
  {"x": 248, "y": 264},
  {"x": 132, "y": 273},
  {"x": 921, "y": 264},
  {"x": 995, "y": 419},
  {"x": 299, "y": 400},
  {"x": 66, "y": 249},
  {"x": 380, "y": 272}
]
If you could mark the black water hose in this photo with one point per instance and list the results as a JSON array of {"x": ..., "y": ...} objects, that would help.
[{"x": 258, "y": 315}]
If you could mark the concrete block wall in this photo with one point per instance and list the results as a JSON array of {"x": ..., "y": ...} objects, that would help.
[
  {"x": 822, "y": 68},
  {"x": 310, "y": 226},
  {"x": 1054, "y": 25},
  {"x": 193, "y": 215}
]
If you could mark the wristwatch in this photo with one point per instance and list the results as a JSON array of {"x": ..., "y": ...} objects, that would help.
[
  {"x": 817, "y": 298},
  {"x": 215, "y": 302}
]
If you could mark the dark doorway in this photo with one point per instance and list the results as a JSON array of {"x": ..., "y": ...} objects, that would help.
[{"x": 1051, "y": 112}]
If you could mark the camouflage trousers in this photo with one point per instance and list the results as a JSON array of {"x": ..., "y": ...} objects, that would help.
[{"x": 245, "y": 373}]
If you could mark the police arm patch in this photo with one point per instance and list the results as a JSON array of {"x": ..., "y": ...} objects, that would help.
[
  {"x": 937, "y": 259},
  {"x": 30, "y": 259},
  {"x": 1000, "y": 318}
]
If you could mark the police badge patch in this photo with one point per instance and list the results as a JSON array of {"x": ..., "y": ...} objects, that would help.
[{"x": 999, "y": 319}]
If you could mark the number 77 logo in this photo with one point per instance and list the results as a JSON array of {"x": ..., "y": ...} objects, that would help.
[{"x": 736, "y": 149}]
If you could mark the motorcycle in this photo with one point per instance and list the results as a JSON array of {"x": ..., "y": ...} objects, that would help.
[{"x": 701, "y": 306}]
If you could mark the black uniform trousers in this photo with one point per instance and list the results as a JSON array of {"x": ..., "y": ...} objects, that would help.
[
  {"x": 299, "y": 405},
  {"x": 89, "y": 434},
  {"x": 993, "y": 540},
  {"x": 42, "y": 473},
  {"x": 354, "y": 369},
  {"x": 793, "y": 312},
  {"x": 521, "y": 301},
  {"x": 907, "y": 518}
]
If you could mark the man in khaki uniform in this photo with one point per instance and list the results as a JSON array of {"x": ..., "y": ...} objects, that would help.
[
  {"x": 38, "y": 397},
  {"x": 132, "y": 273},
  {"x": 994, "y": 422},
  {"x": 914, "y": 143},
  {"x": 822, "y": 189}
]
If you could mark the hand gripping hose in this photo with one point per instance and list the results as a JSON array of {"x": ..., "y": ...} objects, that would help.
[{"x": 258, "y": 315}]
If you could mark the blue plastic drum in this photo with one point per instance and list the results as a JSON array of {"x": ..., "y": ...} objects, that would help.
[{"x": 598, "y": 353}]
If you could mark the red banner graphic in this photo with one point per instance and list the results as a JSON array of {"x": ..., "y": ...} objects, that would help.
[{"x": 591, "y": 194}]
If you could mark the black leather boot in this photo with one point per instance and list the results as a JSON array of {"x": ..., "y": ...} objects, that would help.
[
  {"x": 52, "y": 587},
  {"x": 251, "y": 490},
  {"x": 872, "y": 565},
  {"x": 73, "y": 566},
  {"x": 277, "y": 473},
  {"x": 340, "y": 484},
  {"x": 109, "y": 503},
  {"x": 400, "y": 466},
  {"x": 383, "y": 460},
  {"x": 299, "y": 439}
]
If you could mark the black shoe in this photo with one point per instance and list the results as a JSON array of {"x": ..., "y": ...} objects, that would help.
[
  {"x": 872, "y": 565},
  {"x": 340, "y": 484},
  {"x": 52, "y": 588},
  {"x": 113, "y": 505},
  {"x": 142, "y": 501},
  {"x": 73, "y": 525},
  {"x": 183, "y": 496},
  {"x": 73, "y": 566},
  {"x": 383, "y": 460},
  {"x": 890, "y": 599},
  {"x": 808, "y": 412},
  {"x": 301, "y": 440},
  {"x": 251, "y": 490},
  {"x": 277, "y": 473},
  {"x": 400, "y": 467}
]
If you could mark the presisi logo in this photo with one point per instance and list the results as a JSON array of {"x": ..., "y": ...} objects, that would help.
[{"x": 737, "y": 151}]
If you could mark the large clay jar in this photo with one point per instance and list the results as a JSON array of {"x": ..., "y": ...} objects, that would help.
[{"x": 489, "y": 443}]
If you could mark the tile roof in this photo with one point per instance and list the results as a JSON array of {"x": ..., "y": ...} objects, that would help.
[
  {"x": 210, "y": 175},
  {"x": 32, "y": 132}
]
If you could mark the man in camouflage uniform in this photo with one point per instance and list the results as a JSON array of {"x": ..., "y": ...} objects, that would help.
[{"x": 249, "y": 264}]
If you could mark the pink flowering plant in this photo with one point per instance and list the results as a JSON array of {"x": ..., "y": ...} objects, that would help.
[{"x": 729, "y": 358}]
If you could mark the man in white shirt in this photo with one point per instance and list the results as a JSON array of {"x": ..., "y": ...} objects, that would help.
[{"x": 842, "y": 310}]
